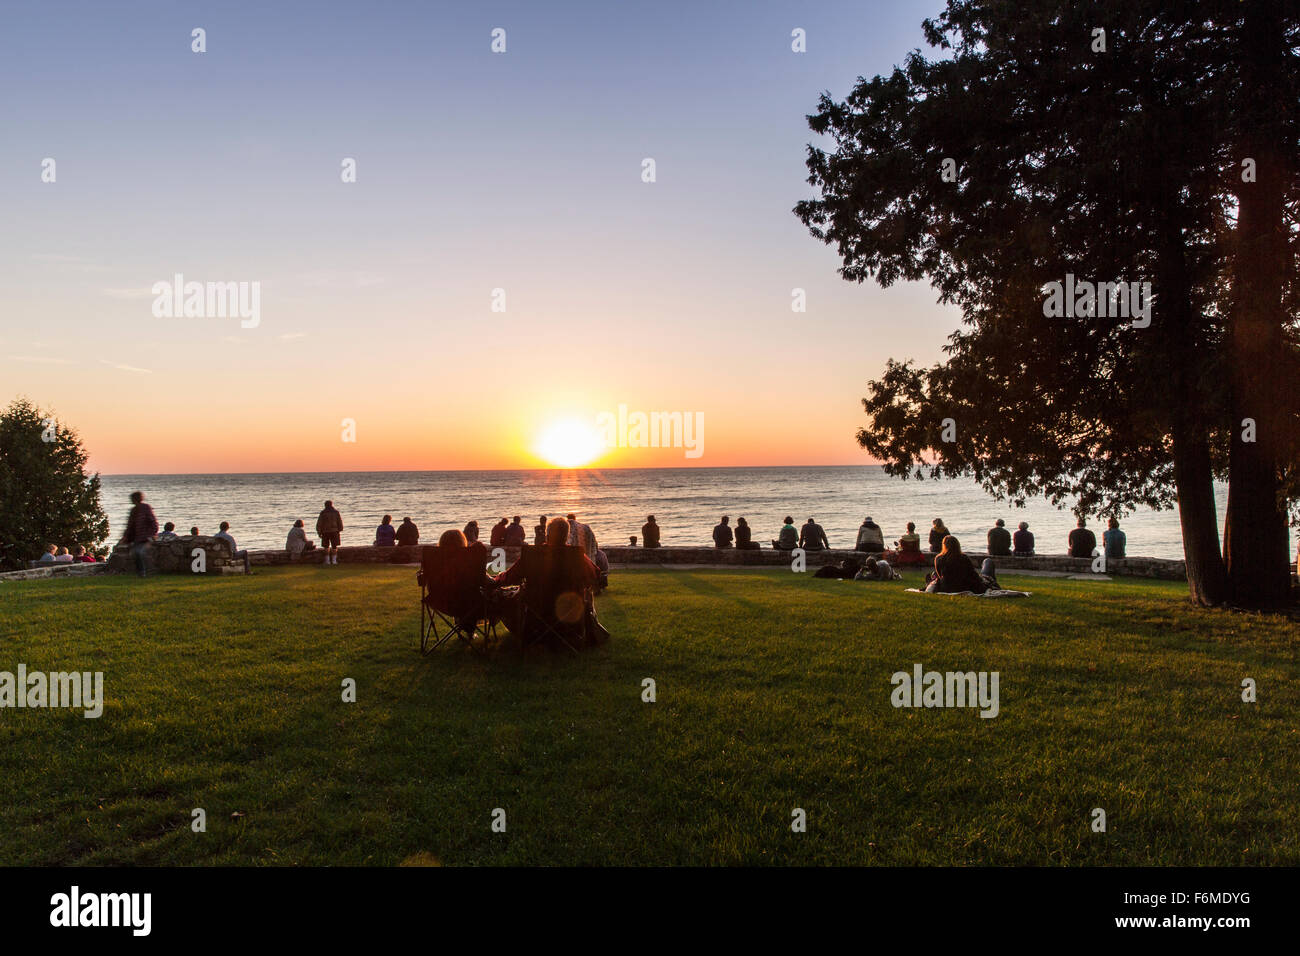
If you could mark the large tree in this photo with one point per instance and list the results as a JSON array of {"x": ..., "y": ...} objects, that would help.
[
  {"x": 46, "y": 497},
  {"x": 1037, "y": 147}
]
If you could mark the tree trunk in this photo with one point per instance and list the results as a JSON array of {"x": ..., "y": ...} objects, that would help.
[
  {"x": 1255, "y": 533},
  {"x": 1207, "y": 579}
]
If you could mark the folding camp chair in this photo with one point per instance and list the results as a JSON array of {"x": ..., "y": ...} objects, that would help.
[
  {"x": 453, "y": 600},
  {"x": 556, "y": 596}
]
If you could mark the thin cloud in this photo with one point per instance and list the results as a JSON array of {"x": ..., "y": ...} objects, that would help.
[
  {"x": 290, "y": 336},
  {"x": 41, "y": 359},
  {"x": 128, "y": 293},
  {"x": 126, "y": 368}
]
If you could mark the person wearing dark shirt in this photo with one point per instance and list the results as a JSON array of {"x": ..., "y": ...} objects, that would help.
[
  {"x": 999, "y": 539},
  {"x": 497, "y": 539},
  {"x": 407, "y": 533},
  {"x": 1023, "y": 540},
  {"x": 744, "y": 537},
  {"x": 650, "y": 532},
  {"x": 510, "y": 606},
  {"x": 386, "y": 534},
  {"x": 516, "y": 535},
  {"x": 722, "y": 533},
  {"x": 812, "y": 537},
  {"x": 938, "y": 531},
  {"x": 1082, "y": 541},
  {"x": 141, "y": 528},
  {"x": 954, "y": 571},
  {"x": 539, "y": 532},
  {"x": 1114, "y": 540},
  {"x": 329, "y": 528},
  {"x": 471, "y": 532}
]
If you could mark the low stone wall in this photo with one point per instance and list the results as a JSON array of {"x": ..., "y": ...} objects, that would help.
[
  {"x": 74, "y": 570},
  {"x": 765, "y": 557},
  {"x": 176, "y": 556}
]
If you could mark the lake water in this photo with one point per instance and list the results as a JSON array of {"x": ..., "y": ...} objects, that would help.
[{"x": 686, "y": 502}]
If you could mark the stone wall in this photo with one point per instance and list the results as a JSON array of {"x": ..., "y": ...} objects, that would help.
[
  {"x": 176, "y": 556},
  {"x": 74, "y": 570},
  {"x": 764, "y": 557}
]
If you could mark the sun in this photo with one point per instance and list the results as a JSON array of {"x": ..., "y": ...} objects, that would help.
[{"x": 569, "y": 444}]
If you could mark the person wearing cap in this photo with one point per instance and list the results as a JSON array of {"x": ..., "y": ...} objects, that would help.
[{"x": 870, "y": 537}]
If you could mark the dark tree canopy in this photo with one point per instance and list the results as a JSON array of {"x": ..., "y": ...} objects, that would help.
[
  {"x": 1122, "y": 165},
  {"x": 46, "y": 497}
]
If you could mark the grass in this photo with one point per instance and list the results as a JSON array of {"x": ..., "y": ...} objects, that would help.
[{"x": 773, "y": 693}]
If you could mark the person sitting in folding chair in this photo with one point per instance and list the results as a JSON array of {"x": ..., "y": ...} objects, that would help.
[
  {"x": 454, "y": 586},
  {"x": 554, "y": 602}
]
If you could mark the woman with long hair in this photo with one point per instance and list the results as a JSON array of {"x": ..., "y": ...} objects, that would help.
[
  {"x": 938, "y": 531},
  {"x": 953, "y": 571}
]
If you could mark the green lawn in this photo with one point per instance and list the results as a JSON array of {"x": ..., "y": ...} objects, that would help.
[{"x": 773, "y": 693}]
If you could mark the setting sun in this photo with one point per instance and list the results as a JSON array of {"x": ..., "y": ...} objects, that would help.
[{"x": 569, "y": 444}]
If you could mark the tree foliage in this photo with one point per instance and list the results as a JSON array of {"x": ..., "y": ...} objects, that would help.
[{"x": 46, "y": 497}]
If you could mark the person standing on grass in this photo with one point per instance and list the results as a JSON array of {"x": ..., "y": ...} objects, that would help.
[
  {"x": 329, "y": 525},
  {"x": 141, "y": 529}
]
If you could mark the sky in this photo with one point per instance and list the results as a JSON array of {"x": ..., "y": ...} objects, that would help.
[{"x": 376, "y": 344}]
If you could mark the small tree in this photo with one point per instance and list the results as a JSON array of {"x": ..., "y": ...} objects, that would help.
[{"x": 46, "y": 497}]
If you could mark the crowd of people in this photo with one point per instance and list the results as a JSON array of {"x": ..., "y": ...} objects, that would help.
[{"x": 142, "y": 528}]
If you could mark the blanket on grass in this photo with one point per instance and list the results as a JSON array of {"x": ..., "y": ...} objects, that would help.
[{"x": 990, "y": 593}]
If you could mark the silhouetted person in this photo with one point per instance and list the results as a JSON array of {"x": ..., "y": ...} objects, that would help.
[
  {"x": 194, "y": 531},
  {"x": 141, "y": 528},
  {"x": 539, "y": 531},
  {"x": 999, "y": 539},
  {"x": 497, "y": 539},
  {"x": 386, "y": 534},
  {"x": 407, "y": 533},
  {"x": 329, "y": 528},
  {"x": 722, "y": 533},
  {"x": 744, "y": 536},
  {"x": 516, "y": 535},
  {"x": 650, "y": 532},
  {"x": 1082, "y": 541},
  {"x": 471, "y": 533},
  {"x": 812, "y": 537},
  {"x": 954, "y": 572}
]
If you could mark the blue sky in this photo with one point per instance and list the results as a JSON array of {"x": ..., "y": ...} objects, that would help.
[{"x": 475, "y": 171}]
